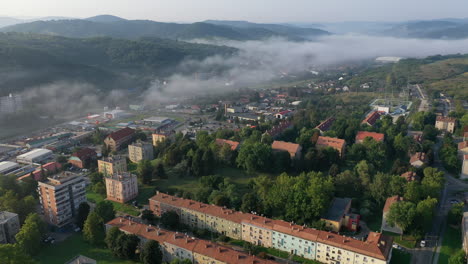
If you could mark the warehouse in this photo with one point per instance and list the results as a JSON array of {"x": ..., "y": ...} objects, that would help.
[
  {"x": 8, "y": 167},
  {"x": 35, "y": 156}
]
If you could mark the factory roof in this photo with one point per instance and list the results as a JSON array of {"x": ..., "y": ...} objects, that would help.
[
  {"x": 7, "y": 165},
  {"x": 34, "y": 153}
]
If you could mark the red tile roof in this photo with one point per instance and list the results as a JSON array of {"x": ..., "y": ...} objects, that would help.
[
  {"x": 335, "y": 143},
  {"x": 421, "y": 156},
  {"x": 85, "y": 153},
  {"x": 277, "y": 130},
  {"x": 361, "y": 135},
  {"x": 292, "y": 148},
  {"x": 410, "y": 176},
  {"x": 462, "y": 145},
  {"x": 48, "y": 167},
  {"x": 122, "y": 133},
  {"x": 325, "y": 125},
  {"x": 221, "y": 142},
  {"x": 446, "y": 119},
  {"x": 371, "y": 118},
  {"x": 194, "y": 245},
  {"x": 390, "y": 201}
]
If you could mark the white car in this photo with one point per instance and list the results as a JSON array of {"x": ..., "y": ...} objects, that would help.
[{"x": 423, "y": 243}]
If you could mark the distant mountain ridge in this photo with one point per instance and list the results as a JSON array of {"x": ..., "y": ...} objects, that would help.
[
  {"x": 116, "y": 27},
  {"x": 433, "y": 29}
]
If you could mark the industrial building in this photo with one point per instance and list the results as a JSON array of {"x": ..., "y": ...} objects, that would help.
[
  {"x": 35, "y": 156},
  {"x": 7, "y": 167}
]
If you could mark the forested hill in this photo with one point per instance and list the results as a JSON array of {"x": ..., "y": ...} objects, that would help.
[
  {"x": 134, "y": 29},
  {"x": 30, "y": 59}
]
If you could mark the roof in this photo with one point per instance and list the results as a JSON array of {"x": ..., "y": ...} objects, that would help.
[
  {"x": 361, "y": 135},
  {"x": 465, "y": 157},
  {"x": 34, "y": 154},
  {"x": 325, "y": 125},
  {"x": 371, "y": 118},
  {"x": 7, "y": 165},
  {"x": 234, "y": 144},
  {"x": 418, "y": 156},
  {"x": 199, "y": 246},
  {"x": 156, "y": 119},
  {"x": 463, "y": 144},
  {"x": 390, "y": 201},
  {"x": 446, "y": 119},
  {"x": 335, "y": 143},
  {"x": 48, "y": 167},
  {"x": 285, "y": 112},
  {"x": 84, "y": 153},
  {"x": 285, "y": 146},
  {"x": 337, "y": 209},
  {"x": 122, "y": 133},
  {"x": 81, "y": 260},
  {"x": 5, "y": 216},
  {"x": 410, "y": 176}
]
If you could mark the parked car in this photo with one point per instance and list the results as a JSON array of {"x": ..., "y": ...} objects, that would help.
[{"x": 423, "y": 243}]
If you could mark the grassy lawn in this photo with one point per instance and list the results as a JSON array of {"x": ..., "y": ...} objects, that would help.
[
  {"x": 400, "y": 257},
  {"x": 125, "y": 208},
  {"x": 60, "y": 253},
  {"x": 451, "y": 243},
  {"x": 407, "y": 241}
]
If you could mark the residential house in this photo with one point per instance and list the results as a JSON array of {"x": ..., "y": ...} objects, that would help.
[
  {"x": 116, "y": 140},
  {"x": 113, "y": 164},
  {"x": 335, "y": 143},
  {"x": 83, "y": 157},
  {"x": 325, "y": 125},
  {"x": 371, "y": 118},
  {"x": 293, "y": 149},
  {"x": 277, "y": 130},
  {"x": 464, "y": 171},
  {"x": 9, "y": 227},
  {"x": 257, "y": 230},
  {"x": 385, "y": 225},
  {"x": 140, "y": 151},
  {"x": 335, "y": 217},
  {"x": 445, "y": 123},
  {"x": 418, "y": 159},
  {"x": 159, "y": 137},
  {"x": 233, "y": 144},
  {"x": 410, "y": 176},
  {"x": 284, "y": 114},
  {"x": 362, "y": 135},
  {"x": 121, "y": 187},
  {"x": 462, "y": 148}
]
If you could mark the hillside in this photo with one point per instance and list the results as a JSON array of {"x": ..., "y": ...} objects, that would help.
[
  {"x": 448, "y": 74},
  {"x": 438, "y": 29},
  {"x": 133, "y": 29},
  {"x": 28, "y": 59}
]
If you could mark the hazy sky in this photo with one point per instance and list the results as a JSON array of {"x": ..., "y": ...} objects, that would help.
[{"x": 253, "y": 10}]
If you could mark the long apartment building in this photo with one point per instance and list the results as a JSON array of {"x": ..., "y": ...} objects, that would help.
[
  {"x": 60, "y": 196},
  {"x": 309, "y": 243},
  {"x": 176, "y": 245}
]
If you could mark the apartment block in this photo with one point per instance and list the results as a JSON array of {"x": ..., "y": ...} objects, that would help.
[
  {"x": 335, "y": 143},
  {"x": 176, "y": 245},
  {"x": 445, "y": 123},
  {"x": 121, "y": 187},
  {"x": 158, "y": 138},
  {"x": 112, "y": 165},
  {"x": 140, "y": 151},
  {"x": 60, "y": 196},
  {"x": 119, "y": 138},
  {"x": 9, "y": 227},
  {"x": 306, "y": 242}
]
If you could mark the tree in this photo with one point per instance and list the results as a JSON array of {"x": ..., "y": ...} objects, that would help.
[
  {"x": 425, "y": 212},
  {"x": 170, "y": 219},
  {"x": 144, "y": 171},
  {"x": 147, "y": 215},
  {"x": 93, "y": 229},
  {"x": 250, "y": 203},
  {"x": 96, "y": 177},
  {"x": 458, "y": 258},
  {"x": 401, "y": 214},
  {"x": 100, "y": 188},
  {"x": 432, "y": 182},
  {"x": 13, "y": 254},
  {"x": 82, "y": 215},
  {"x": 30, "y": 234},
  {"x": 254, "y": 157},
  {"x": 105, "y": 210},
  {"x": 159, "y": 172},
  {"x": 130, "y": 246},
  {"x": 111, "y": 237},
  {"x": 151, "y": 253},
  {"x": 365, "y": 172}
]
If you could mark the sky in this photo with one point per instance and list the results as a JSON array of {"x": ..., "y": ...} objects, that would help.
[{"x": 251, "y": 10}]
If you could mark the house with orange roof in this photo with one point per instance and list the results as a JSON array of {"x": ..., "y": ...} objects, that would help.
[
  {"x": 362, "y": 135},
  {"x": 462, "y": 148},
  {"x": 233, "y": 144},
  {"x": 335, "y": 143},
  {"x": 293, "y": 149},
  {"x": 410, "y": 176},
  {"x": 385, "y": 225},
  {"x": 445, "y": 123},
  {"x": 371, "y": 118},
  {"x": 418, "y": 159}
]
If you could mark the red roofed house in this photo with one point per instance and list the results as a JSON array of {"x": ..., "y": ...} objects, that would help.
[
  {"x": 275, "y": 131},
  {"x": 462, "y": 148},
  {"x": 82, "y": 157},
  {"x": 283, "y": 114},
  {"x": 325, "y": 125},
  {"x": 221, "y": 142},
  {"x": 410, "y": 176},
  {"x": 385, "y": 226},
  {"x": 464, "y": 172},
  {"x": 293, "y": 149},
  {"x": 361, "y": 135},
  {"x": 445, "y": 123},
  {"x": 48, "y": 168},
  {"x": 371, "y": 118},
  {"x": 117, "y": 139},
  {"x": 336, "y": 143},
  {"x": 418, "y": 159}
]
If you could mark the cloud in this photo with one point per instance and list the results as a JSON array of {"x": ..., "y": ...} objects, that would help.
[{"x": 260, "y": 61}]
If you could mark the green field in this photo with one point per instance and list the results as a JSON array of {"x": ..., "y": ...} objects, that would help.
[
  {"x": 124, "y": 208},
  {"x": 451, "y": 243},
  {"x": 405, "y": 241},
  {"x": 400, "y": 257},
  {"x": 60, "y": 253}
]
